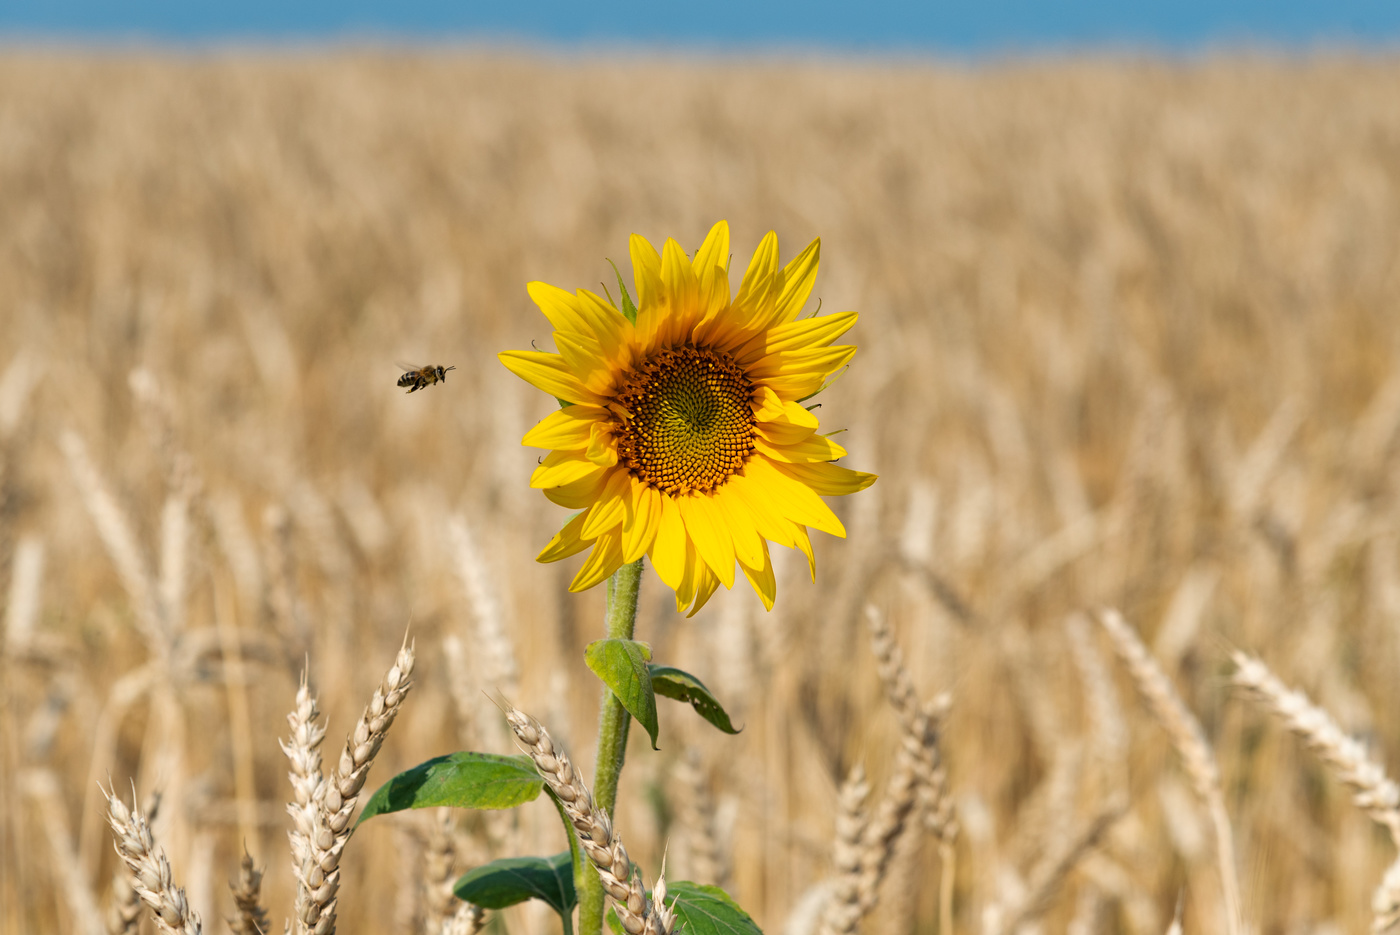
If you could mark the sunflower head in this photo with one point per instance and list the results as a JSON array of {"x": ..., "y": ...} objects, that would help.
[{"x": 683, "y": 435}]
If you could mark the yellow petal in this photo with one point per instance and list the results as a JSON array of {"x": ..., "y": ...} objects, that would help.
[
  {"x": 734, "y": 511},
  {"x": 605, "y": 559},
  {"x": 566, "y": 428},
  {"x": 817, "y": 360},
  {"x": 609, "y": 325},
  {"x": 668, "y": 549},
  {"x": 714, "y": 252},
  {"x": 566, "y": 541},
  {"x": 550, "y": 373},
  {"x": 711, "y": 265},
  {"x": 560, "y": 468},
  {"x": 756, "y": 288},
  {"x": 694, "y": 568},
  {"x": 560, "y": 307},
  {"x": 798, "y": 277},
  {"x": 579, "y": 494},
  {"x": 706, "y": 528},
  {"x": 762, "y": 579},
  {"x": 609, "y": 510},
  {"x": 682, "y": 291},
  {"x": 643, "y": 520},
  {"x": 602, "y": 444},
  {"x": 812, "y": 448},
  {"x": 786, "y": 431},
  {"x": 804, "y": 543},
  {"x": 767, "y": 404},
  {"x": 791, "y": 498},
  {"x": 646, "y": 271},
  {"x": 769, "y": 524},
  {"x": 706, "y": 586},
  {"x": 830, "y": 480},
  {"x": 807, "y": 334},
  {"x": 584, "y": 357}
]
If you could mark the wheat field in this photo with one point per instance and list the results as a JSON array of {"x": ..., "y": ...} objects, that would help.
[{"x": 1130, "y": 338}]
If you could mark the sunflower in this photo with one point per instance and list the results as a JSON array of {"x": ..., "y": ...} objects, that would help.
[{"x": 682, "y": 433}]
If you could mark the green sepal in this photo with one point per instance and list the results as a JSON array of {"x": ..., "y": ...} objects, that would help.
[
  {"x": 459, "y": 780},
  {"x": 512, "y": 880},
  {"x": 628, "y": 309},
  {"x": 622, "y": 665},
  {"x": 830, "y": 380},
  {"x": 563, "y": 403},
  {"x": 671, "y": 682}
]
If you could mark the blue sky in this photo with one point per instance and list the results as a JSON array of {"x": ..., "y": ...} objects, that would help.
[{"x": 945, "y": 26}]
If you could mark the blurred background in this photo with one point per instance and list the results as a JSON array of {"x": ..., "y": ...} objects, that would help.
[{"x": 1130, "y": 336}]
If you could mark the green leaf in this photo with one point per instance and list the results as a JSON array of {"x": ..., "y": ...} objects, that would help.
[
  {"x": 628, "y": 309},
  {"x": 682, "y": 686},
  {"x": 707, "y": 910},
  {"x": 512, "y": 880},
  {"x": 614, "y": 922},
  {"x": 622, "y": 665},
  {"x": 459, "y": 780}
]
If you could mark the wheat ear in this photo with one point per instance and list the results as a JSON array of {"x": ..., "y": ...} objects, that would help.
[
  {"x": 1190, "y": 743},
  {"x": 922, "y": 723},
  {"x": 150, "y": 870},
  {"x": 1374, "y": 792},
  {"x": 1049, "y": 876},
  {"x": 250, "y": 917},
  {"x": 322, "y": 806},
  {"x": 595, "y": 833},
  {"x": 695, "y": 813},
  {"x": 439, "y": 859},
  {"x": 467, "y": 920},
  {"x": 843, "y": 909},
  {"x": 124, "y": 908},
  {"x": 1385, "y": 905},
  {"x": 888, "y": 823}
]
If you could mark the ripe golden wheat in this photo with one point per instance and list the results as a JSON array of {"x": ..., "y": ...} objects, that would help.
[{"x": 1130, "y": 337}]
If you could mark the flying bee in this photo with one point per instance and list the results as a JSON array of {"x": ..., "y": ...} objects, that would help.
[{"x": 419, "y": 377}]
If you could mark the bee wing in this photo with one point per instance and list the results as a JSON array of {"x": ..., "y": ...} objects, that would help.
[{"x": 406, "y": 366}]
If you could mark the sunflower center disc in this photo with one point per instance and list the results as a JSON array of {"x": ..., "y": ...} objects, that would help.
[{"x": 691, "y": 424}]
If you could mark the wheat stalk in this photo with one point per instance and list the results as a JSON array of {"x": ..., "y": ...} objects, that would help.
[
  {"x": 150, "y": 870},
  {"x": 41, "y": 785},
  {"x": 1190, "y": 743},
  {"x": 638, "y": 914},
  {"x": 114, "y": 528}
]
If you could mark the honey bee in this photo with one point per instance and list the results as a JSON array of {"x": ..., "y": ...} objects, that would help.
[{"x": 419, "y": 377}]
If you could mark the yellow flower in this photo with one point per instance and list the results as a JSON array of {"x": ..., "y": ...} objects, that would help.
[{"x": 683, "y": 436}]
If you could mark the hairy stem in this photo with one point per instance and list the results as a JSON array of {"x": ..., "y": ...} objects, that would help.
[{"x": 613, "y": 722}]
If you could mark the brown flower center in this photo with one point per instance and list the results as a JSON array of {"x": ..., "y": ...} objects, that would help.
[{"x": 688, "y": 424}]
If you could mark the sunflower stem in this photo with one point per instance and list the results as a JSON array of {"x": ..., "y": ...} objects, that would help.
[{"x": 613, "y": 724}]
